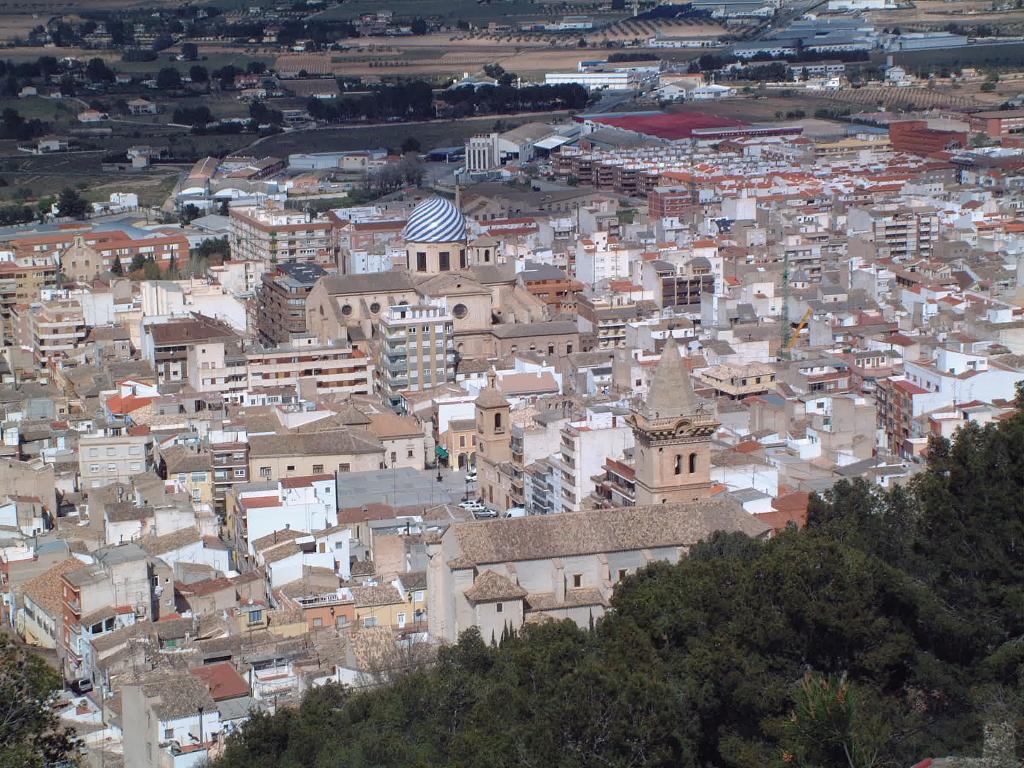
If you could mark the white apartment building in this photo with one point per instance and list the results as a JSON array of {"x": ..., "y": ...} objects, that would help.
[
  {"x": 330, "y": 368},
  {"x": 276, "y": 235},
  {"x": 295, "y": 503},
  {"x": 416, "y": 350},
  {"x": 585, "y": 445},
  {"x": 600, "y": 258}
]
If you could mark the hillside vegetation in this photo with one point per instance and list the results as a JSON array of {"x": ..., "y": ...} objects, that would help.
[{"x": 887, "y": 631}]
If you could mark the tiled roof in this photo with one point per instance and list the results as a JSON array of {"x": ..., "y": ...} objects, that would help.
[
  {"x": 490, "y": 587},
  {"x": 46, "y": 591},
  {"x": 381, "y": 594},
  {"x": 578, "y": 533},
  {"x": 222, "y": 680}
]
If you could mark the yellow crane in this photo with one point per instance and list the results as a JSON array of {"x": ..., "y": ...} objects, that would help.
[{"x": 796, "y": 334}]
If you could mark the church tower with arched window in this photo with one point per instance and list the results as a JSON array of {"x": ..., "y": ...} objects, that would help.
[{"x": 673, "y": 434}]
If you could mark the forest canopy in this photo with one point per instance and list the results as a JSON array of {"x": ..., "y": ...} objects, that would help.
[{"x": 887, "y": 631}]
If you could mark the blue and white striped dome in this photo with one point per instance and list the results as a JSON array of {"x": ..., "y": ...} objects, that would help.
[{"x": 435, "y": 220}]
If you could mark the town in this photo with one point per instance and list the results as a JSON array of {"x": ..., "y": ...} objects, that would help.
[{"x": 332, "y": 334}]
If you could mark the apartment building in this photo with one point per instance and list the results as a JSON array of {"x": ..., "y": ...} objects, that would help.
[
  {"x": 106, "y": 459},
  {"x": 230, "y": 456},
  {"x": 22, "y": 281},
  {"x": 329, "y": 368},
  {"x": 898, "y": 232},
  {"x": 671, "y": 202},
  {"x": 552, "y": 286},
  {"x": 416, "y": 349},
  {"x": 678, "y": 285},
  {"x": 234, "y": 373},
  {"x": 167, "y": 344},
  {"x": 57, "y": 328},
  {"x": 279, "y": 236},
  {"x": 585, "y": 445},
  {"x": 281, "y": 311}
]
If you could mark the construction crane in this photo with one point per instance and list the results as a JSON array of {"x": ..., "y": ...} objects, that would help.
[{"x": 796, "y": 334}]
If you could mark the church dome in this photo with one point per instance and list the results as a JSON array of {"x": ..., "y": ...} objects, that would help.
[{"x": 435, "y": 220}]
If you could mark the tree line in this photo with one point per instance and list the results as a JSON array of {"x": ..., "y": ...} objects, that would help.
[{"x": 886, "y": 631}]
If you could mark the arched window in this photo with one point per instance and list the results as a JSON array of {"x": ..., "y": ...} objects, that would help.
[
  {"x": 679, "y": 464},
  {"x": 497, "y": 421},
  {"x": 693, "y": 463}
]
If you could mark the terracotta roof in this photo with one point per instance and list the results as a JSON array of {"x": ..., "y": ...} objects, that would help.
[
  {"x": 46, "y": 590},
  {"x": 491, "y": 587},
  {"x": 222, "y": 680}
]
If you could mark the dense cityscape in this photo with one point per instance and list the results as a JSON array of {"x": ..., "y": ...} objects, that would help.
[{"x": 512, "y": 383}]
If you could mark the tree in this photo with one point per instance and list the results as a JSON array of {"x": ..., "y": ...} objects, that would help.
[
  {"x": 189, "y": 213},
  {"x": 829, "y": 727},
  {"x": 30, "y": 733},
  {"x": 418, "y": 26},
  {"x": 411, "y": 144},
  {"x": 198, "y": 74},
  {"x": 71, "y": 204},
  {"x": 168, "y": 79},
  {"x": 150, "y": 269},
  {"x": 190, "y": 51},
  {"x": 116, "y": 267},
  {"x": 98, "y": 71},
  {"x": 138, "y": 262}
]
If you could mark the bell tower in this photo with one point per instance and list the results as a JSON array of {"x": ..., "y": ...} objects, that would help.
[
  {"x": 493, "y": 442},
  {"x": 673, "y": 436}
]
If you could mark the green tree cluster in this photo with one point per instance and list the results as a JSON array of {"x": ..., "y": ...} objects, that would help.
[
  {"x": 884, "y": 632},
  {"x": 30, "y": 733}
]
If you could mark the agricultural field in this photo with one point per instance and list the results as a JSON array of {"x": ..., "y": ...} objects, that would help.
[
  {"x": 447, "y": 55},
  {"x": 909, "y": 98},
  {"x": 505, "y": 11},
  {"x": 936, "y": 14},
  {"x": 17, "y": 25},
  {"x": 644, "y": 29}
]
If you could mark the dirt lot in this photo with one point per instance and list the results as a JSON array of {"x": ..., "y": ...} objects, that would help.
[
  {"x": 45, "y": 175},
  {"x": 430, "y": 135},
  {"x": 939, "y": 13}
]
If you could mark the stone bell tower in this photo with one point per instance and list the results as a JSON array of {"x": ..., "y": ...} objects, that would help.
[{"x": 673, "y": 434}]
